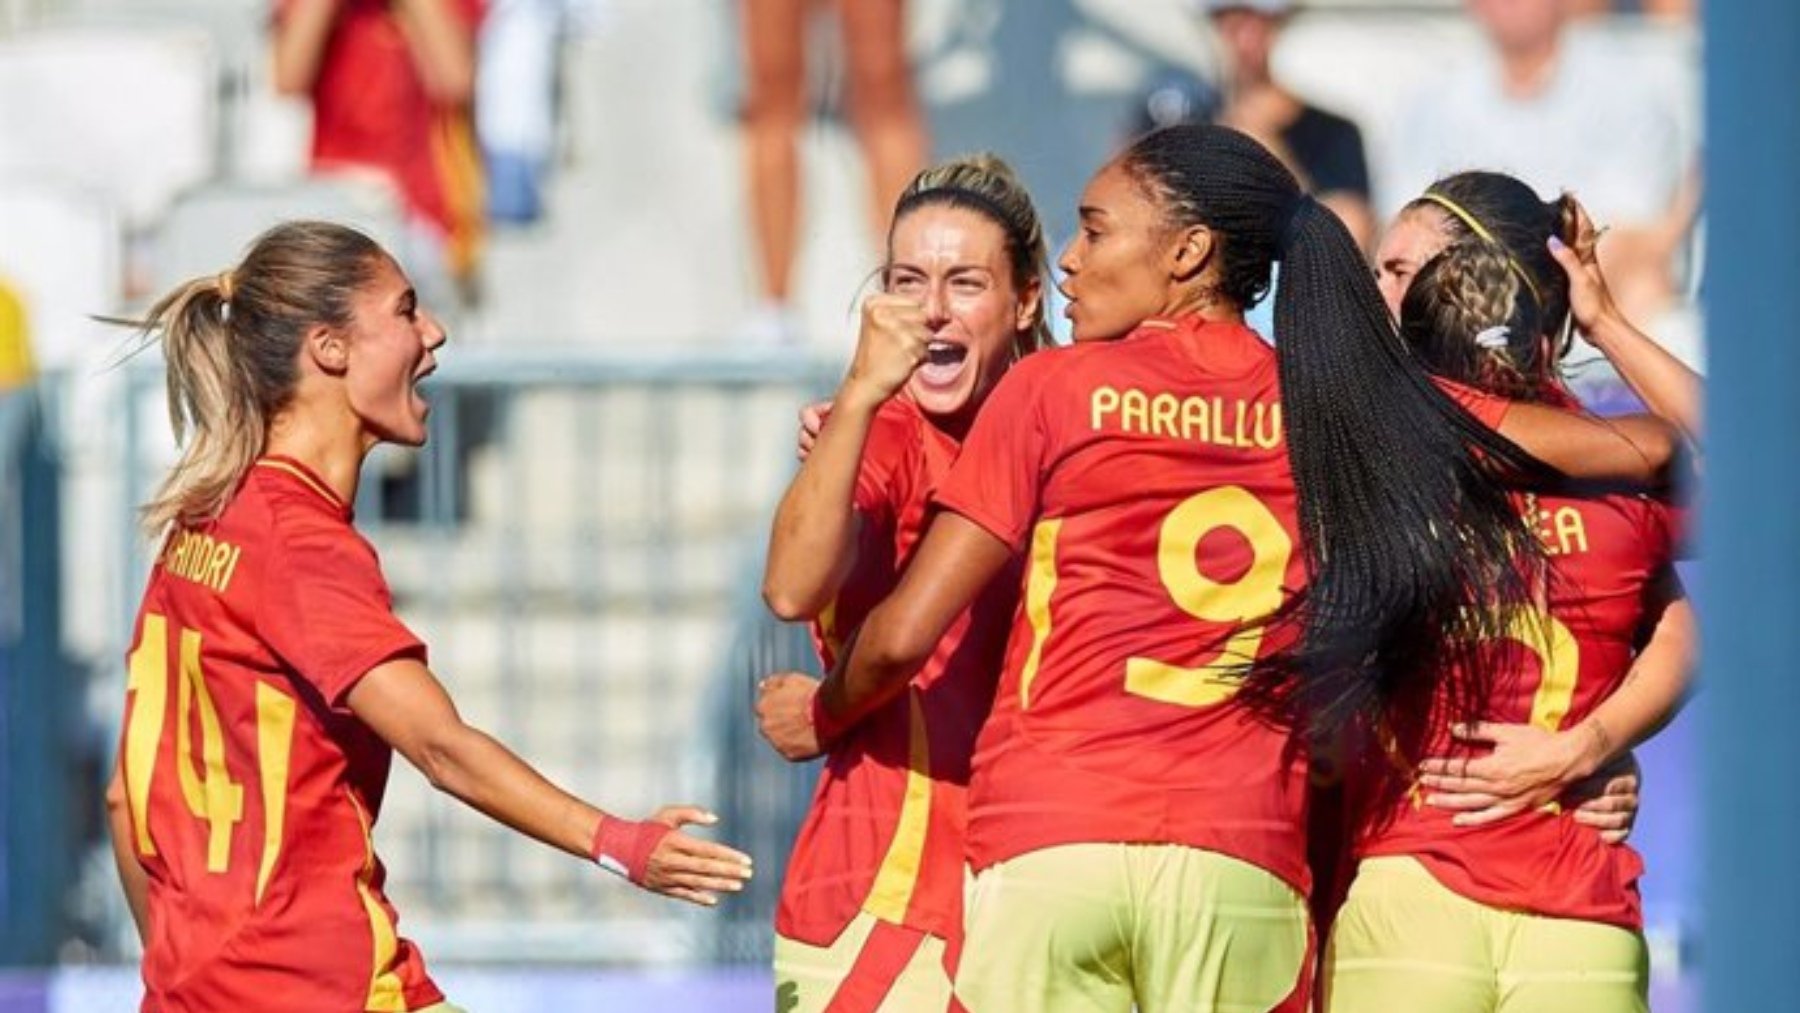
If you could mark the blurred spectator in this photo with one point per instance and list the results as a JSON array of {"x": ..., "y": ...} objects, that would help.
[
  {"x": 1323, "y": 149},
  {"x": 1562, "y": 111},
  {"x": 884, "y": 113},
  {"x": 515, "y": 111},
  {"x": 391, "y": 83}
]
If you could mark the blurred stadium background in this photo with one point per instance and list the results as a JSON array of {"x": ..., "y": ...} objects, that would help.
[{"x": 579, "y": 542}]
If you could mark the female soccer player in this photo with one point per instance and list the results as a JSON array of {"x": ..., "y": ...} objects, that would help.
[
  {"x": 270, "y": 681},
  {"x": 1530, "y": 265},
  {"x": 871, "y": 909},
  {"x": 1527, "y": 769},
  {"x": 1137, "y": 830}
]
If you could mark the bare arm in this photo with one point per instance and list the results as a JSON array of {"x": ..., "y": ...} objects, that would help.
[
  {"x": 443, "y": 48},
  {"x": 955, "y": 561},
  {"x": 301, "y": 31},
  {"x": 131, "y": 872},
  {"x": 812, "y": 546},
  {"x": 403, "y": 703},
  {"x": 800, "y": 717},
  {"x": 1635, "y": 449},
  {"x": 407, "y": 706},
  {"x": 1665, "y": 383},
  {"x": 1653, "y": 692}
]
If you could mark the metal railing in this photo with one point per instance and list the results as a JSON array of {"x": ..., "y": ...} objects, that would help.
[
  {"x": 760, "y": 797},
  {"x": 573, "y": 544}
]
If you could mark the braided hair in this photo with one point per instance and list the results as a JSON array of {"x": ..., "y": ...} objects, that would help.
[
  {"x": 1413, "y": 551},
  {"x": 1470, "y": 318}
]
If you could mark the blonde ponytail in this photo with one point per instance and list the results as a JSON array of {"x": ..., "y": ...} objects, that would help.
[{"x": 212, "y": 406}]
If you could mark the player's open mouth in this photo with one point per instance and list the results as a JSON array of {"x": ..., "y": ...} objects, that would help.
[
  {"x": 945, "y": 353},
  {"x": 418, "y": 380},
  {"x": 943, "y": 363}
]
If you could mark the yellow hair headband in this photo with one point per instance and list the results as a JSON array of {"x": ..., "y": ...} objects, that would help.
[{"x": 1476, "y": 227}]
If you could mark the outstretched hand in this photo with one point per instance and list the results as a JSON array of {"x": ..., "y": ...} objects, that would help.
[{"x": 688, "y": 868}]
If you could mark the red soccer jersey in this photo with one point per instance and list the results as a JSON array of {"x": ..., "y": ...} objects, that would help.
[
  {"x": 886, "y": 827},
  {"x": 1608, "y": 554},
  {"x": 252, "y": 788},
  {"x": 1148, "y": 480},
  {"x": 1489, "y": 410}
]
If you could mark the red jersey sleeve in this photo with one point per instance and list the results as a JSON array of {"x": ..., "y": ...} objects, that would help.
[
  {"x": 998, "y": 477},
  {"x": 1490, "y": 410},
  {"x": 327, "y": 610}
]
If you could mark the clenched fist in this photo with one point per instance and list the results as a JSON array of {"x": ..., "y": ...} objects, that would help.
[{"x": 891, "y": 345}]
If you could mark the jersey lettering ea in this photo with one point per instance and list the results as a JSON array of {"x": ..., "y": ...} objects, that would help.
[{"x": 1610, "y": 556}]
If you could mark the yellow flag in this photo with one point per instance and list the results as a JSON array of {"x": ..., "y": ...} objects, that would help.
[{"x": 15, "y": 344}]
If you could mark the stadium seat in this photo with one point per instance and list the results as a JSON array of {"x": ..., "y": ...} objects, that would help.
[
  {"x": 207, "y": 229},
  {"x": 62, "y": 260},
  {"x": 140, "y": 130}
]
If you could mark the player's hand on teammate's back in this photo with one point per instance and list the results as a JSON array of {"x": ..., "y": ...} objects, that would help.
[
  {"x": 812, "y": 423},
  {"x": 688, "y": 868},
  {"x": 1528, "y": 768},
  {"x": 894, "y": 341},
  {"x": 784, "y": 704},
  {"x": 1608, "y": 800}
]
